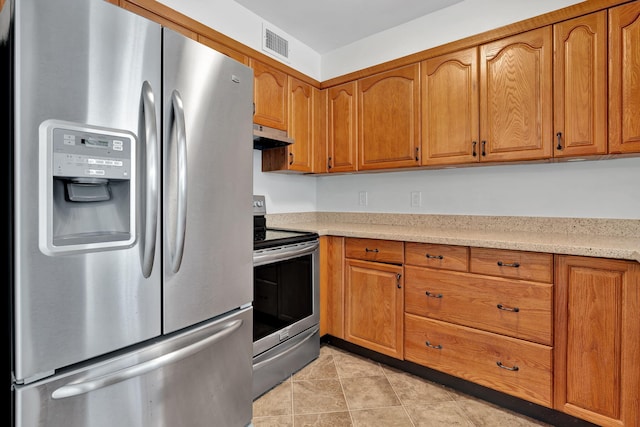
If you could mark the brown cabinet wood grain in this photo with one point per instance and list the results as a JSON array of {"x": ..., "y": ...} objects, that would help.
[
  {"x": 580, "y": 90},
  {"x": 389, "y": 119},
  {"x": 516, "y": 97},
  {"x": 447, "y": 257},
  {"x": 450, "y": 108},
  {"x": 510, "y": 365},
  {"x": 535, "y": 266},
  {"x": 332, "y": 286},
  {"x": 374, "y": 306},
  {"x": 342, "y": 128},
  {"x": 389, "y": 251},
  {"x": 270, "y": 95},
  {"x": 624, "y": 79},
  {"x": 597, "y": 343}
]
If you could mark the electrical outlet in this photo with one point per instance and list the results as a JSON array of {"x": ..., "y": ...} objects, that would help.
[
  {"x": 362, "y": 198},
  {"x": 416, "y": 199}
]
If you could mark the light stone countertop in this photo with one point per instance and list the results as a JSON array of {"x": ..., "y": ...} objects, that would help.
[{"x": 607, "y": 238}]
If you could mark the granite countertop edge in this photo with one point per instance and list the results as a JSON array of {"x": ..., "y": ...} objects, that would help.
[{"x": 616, "y": 245}]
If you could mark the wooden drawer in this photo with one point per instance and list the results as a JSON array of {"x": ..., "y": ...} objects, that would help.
[
  {"x": 516, "y": 308},
  {"x": 477, "y": 356},
  {"x": 446, "y": 257},
  {"x": 534, "y": 266},
  {"x": 389, "y": 251}
]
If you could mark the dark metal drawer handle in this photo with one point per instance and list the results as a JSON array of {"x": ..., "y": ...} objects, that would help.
[
  {"x": 434, "y": 256},
  {"x": 505, "y": 308},
  {"x": 508, "y": 368},
  {"x": 371, "y": 250},
  {"x": 435, "y": 347},
  {"x": 430, "y": 295},
  {"x": 506, "y": 264}
]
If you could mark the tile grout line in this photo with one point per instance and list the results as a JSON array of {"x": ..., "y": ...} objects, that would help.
[{"x": 404, "y": 408}]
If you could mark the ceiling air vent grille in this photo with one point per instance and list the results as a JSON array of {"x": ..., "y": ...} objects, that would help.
[{"x": 276, "y": 44}]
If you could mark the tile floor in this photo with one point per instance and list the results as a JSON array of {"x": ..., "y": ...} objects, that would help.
[{"x": 343, "y": 389}]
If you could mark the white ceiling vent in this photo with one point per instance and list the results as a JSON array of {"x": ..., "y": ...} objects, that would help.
[{"x": 275, "y": 44}]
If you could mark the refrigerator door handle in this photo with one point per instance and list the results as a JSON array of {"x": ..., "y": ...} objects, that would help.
[
  {"x": 84, "y": 387},
  {"x": 181, "y": 219},
  {"x": 150, "y": 156}
]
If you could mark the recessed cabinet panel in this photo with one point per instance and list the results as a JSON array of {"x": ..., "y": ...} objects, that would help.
[
  {"x": 269, "y": 95},
  {"x": 342, "y": 128}
]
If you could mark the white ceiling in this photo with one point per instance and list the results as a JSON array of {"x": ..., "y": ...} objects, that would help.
[{"x": 326, "y": 25}]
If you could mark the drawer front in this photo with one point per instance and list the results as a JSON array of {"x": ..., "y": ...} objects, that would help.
[
  {"x": 534, "y": 266},
  {"x": 511, "y": 307},
  {"x": 446, "y": 257},
  {"x": 509, "y": 365},
  {"x": 390, "y": 251}
]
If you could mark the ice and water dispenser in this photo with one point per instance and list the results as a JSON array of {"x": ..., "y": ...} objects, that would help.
[{"x": 87, "y": 188}]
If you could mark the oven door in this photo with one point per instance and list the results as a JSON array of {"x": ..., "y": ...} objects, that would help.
[{"x": 286, "y": 299}]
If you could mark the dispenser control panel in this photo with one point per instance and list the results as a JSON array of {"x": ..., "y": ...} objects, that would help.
[{"x": 79, "y": 153}]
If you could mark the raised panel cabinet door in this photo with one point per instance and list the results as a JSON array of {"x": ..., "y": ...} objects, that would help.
[
  {"x": 596, "y": 330},
  {"x": 389, "y": 119},
  {"x": 300, "y": 153},
  {"x": 342, "y": 130},
  {"x": 450, "y": 108},
  {"x": 624, "y": 78},
  {"x": 374, "y": 306},
  {"x": 580, "y": 90},
  {"x": 516, "y": 97},
  {"x": 270, "y": 95}
]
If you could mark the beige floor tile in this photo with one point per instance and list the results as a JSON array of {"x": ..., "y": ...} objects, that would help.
[
  {"x": 439, "y": 414},
  {"x": 321, "y": 368},
  {"x": 315, "y": 396},
  {"x": 350, "y": 365},
  {"x": 484, "y": 414},
  {"x": 277, "y": 401},
  {"x": 413, "y": 390},
  {"x": 280, "y": 421},
  {"x": 394, "y": 416},
  {"x": 326, "y": 419},
  {"x": 369, "y": 392}
]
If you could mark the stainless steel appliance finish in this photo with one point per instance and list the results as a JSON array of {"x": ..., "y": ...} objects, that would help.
[
  {"x": 286, "y": 301},
  {"x": 181, "y": 262},
  {"x": 265, "y": 138}
]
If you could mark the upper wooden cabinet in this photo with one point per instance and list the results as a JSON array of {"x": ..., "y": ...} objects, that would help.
[
  {"x": 580, "y": 90},
  {"x": 270, "y": 95},
  {"x": 342, "y": 130},
  {"x": 516, "y": 97},
  {"x": 450, "y": 108},
  {"x": 624, "y": 78},
  {"x": 389, "y": 119},
  {"x": 298, "y": 156}
]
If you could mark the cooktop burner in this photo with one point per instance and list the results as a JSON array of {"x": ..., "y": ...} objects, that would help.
[{"x": 264, "y": 237}]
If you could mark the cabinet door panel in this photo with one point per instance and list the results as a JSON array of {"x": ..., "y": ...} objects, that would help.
[
  {"x": 300, "y": 125},
  {"x": 516, "y": 97},
  {"x": 580, "y": 91},
  {"x": 450, "y": 108},
  {"x": 342, "y": 128},
  {"x": 624, "y": 78},
  {"x": 269, "y": 95}
]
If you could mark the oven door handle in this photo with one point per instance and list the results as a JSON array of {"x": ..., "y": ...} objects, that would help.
[
  {"x": 303, "y": 340},
  {"x": 284, "y": 253}
]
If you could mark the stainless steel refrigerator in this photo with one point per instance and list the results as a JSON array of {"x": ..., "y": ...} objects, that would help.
[{"x": 128, "y": 184}]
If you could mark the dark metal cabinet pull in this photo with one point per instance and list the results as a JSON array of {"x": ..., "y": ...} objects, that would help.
[
  {"x": 508, "y": 368},
  {"x": 474, "y": 153},
  {"x": 506, "y": 264},
  {"x": 329, "y": 163},
  {"x": 417, "y": 154},
  {"x": 290, "y": 158},
  {"x": 435, "y": 347},
  {"x": 398, "y": 276},
  {"x": 432, "y": 295},
  {"x": 371, "y": 250},
  {"x": 484, "y": 152},
  {"x": 434, "y": 256},
  {"x": 559, "y": 136},
  {"x": 505, "y": 308}
]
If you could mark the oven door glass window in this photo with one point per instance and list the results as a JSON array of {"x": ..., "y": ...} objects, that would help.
[{"x": 282, "y": 295}]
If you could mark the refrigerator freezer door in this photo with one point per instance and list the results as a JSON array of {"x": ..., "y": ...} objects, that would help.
[
  {"x": 83, "y": 62},
  {"x": 201, "y": 377},
  {"x": 208, "y": 164}
]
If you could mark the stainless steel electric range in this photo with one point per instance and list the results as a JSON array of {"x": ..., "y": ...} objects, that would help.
[{"x": 286, "y": 301}]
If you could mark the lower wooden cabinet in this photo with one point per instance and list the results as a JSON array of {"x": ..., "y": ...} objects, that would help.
[
  {"x": 512, "y": 366},
  {"x": 597, "y": 340},
  {"x": 374, "y": 306}
]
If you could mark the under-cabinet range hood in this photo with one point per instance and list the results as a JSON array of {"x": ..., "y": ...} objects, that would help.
[{"x": 265, "y": 138}]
